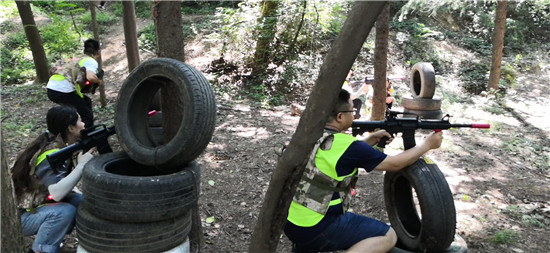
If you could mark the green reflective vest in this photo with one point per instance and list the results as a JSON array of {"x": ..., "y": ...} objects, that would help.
[{"x": 320, "y": 180}]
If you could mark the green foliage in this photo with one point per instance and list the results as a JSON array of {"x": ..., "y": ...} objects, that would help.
[
  {"x": 60, "y": 39},
  {"x": 16, "y": 40},
  {"x": 147, "y": 37},
  {"x": 412, "y": 27},
  {"x": 205, "y": 7},
  {"x": 474, "y": 76},
  {"x": 535, "y": 220},
  {"x": 8, "y": 10},
  {"x": 505, "y": 236},
  {"x": 508, "y": 75},
  {"x": 478, "y": 45},
  {"x": 103, "y": 19},
  {"x": 144, "y": 8},
  {"x": 17, "y": 65},
  {"x": 414, "y": 43}
]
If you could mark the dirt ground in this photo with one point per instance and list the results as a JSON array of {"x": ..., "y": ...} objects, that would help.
[{"x": 495, "y": 175}]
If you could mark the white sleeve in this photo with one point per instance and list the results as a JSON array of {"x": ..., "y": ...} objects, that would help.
[
  {"x": 60, "y": 189},
  {"x": 91, "y": 65}
]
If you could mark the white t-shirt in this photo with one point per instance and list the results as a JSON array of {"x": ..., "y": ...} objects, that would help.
[{"x": 58, "y": 82}]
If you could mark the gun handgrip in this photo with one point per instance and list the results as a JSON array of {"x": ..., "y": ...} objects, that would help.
[{"x": 382, "y": 142}]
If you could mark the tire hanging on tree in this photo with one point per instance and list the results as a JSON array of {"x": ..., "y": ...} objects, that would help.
[{"x": 434, "y": 227}]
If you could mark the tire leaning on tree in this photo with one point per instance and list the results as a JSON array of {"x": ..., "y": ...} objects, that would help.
[{"x": 198, "y": 112}]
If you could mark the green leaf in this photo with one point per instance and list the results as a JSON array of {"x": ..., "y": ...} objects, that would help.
[
  {"x": 211, "y": 182},
  {"x": 210, "y": 219}
]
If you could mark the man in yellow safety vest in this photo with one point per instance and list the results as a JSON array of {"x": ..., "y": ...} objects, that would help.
[{"x": 318, "y": 219}]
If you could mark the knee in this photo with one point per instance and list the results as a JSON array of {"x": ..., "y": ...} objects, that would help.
[
  {"x": 392, "y": 236},
  {"x": 65, "y": 211}
]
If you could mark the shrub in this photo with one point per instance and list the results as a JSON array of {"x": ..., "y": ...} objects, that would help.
[{"x": 474, "y": 76}]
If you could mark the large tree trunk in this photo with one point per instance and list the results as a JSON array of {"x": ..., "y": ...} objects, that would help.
[
  {"x": 290, "y": 167},
  {"x": 12, "y": 236},
  {"x": 93, "y": 5},
  {"x": 380, "y": 64},
  {"x": 498, "y": 44},
  {"x": 266, "y": 34},
  {"x": 130, "y": 34},
  {"x": 35, "y": 41},
  {"x": 169, "y": 28}
]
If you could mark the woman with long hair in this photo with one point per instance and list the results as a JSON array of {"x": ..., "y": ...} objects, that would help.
[{"x": 47, "y": 197}]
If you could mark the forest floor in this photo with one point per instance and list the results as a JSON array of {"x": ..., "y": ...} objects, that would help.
[{"x": 499, "y": 177}]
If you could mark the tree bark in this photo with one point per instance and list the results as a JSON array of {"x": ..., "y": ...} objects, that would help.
[
  {"x": 169, "y": 28},
  {"x": 35, "y": 41},
  {"x": 130, "y": 34},
  {"x": 12, "y": 233},
  {"x": 289, "y": 170},
  {"x": 266, "y": 35},
  {"x": 380, "y": 64},
  {"x": 498, "y": 44},
  {"x": 93, "y": 5}
]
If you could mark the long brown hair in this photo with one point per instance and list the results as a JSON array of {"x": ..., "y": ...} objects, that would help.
[{"x": 58, "y": 119}]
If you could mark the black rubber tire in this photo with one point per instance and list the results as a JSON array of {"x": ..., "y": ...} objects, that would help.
[
  {"x": 198, "y": 113},
  {"x": 422, "y": 114},
  {"x": 422, "y": 82},
  {"x": 156, "y": 135},
  {"x": 421, "y": 104},
  {"x": 118, "y": 189},
  {"x": 436, "y": 229},
  {"x": 98, "y": 235},
  {"x": 155, "y": 120}
]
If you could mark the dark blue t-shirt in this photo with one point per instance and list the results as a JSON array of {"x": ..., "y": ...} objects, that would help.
[{"x": 358, "y": 155}]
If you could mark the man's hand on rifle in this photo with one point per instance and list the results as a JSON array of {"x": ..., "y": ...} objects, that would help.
[
  {"x": 375, "y": 137},
  {"x": 433, "y": 140}
]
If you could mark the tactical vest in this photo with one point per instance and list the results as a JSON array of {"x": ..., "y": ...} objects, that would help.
[
  {"x": 32, "y": 199},
  {"x": 72, "y": 71},
  {"x": 320, "y": 180}
]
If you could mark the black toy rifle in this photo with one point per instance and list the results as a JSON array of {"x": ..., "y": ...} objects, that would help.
[
  {"x": 95, "y": 136},
  {"x": 407, "y": 126}
]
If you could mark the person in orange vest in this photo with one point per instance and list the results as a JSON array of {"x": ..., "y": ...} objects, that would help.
[{"x": 63, "y": 87}]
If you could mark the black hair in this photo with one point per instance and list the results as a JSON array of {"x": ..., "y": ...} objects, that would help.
[
  {"x": 91, "y": 47},
  {"x": 341, "y": 104},
  {"x": 58, "y": 119}
]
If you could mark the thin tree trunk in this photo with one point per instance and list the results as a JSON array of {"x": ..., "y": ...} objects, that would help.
[
  {"x": 498, "y": 44},
  {"x": 168, "y": 24},
  {"x": 35, "y": 41},
  {"x": 293, "y": 43},
  {"x": 130, "y": 34},
  {"x": 95, "y": 29},
  {"x": 266, "y": 35},
  {"x": 380, "y": 64},
  {"x": 289, "y": 170},
  {"x": 169, "y": 28},
  {"x": 12, "y": 233}
]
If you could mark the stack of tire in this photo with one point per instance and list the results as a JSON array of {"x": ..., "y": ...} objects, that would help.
[
  {"x": 141, "y": 199},
  {"x": 422, "y": 85}
]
